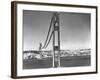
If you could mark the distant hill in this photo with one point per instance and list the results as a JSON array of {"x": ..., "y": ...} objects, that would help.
[{"x": 63, "y": 53}]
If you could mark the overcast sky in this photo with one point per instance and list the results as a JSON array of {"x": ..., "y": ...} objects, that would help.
[{"x": 74, "y": 29}]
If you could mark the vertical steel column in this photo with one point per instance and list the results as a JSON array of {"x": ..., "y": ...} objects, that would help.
[
  {"x": 56, "y": 40},
  {"x": 53, "y": 44},
  {"x": 59, "y": 40}
]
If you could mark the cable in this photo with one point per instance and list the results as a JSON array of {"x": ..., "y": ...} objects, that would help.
[
  {"x": 48, "y": 32},
  {"x": 49, "y": 40}
]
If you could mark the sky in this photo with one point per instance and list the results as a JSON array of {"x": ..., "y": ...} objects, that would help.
[{"x": 75, "y": 29}]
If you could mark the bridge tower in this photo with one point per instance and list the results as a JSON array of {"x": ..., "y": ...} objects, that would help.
[
  {"x": 40, "y": 50},
  {"x": 56, "y": 40}
]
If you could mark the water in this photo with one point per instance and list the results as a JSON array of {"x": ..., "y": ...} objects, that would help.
[{"x": 69, "y": 61}]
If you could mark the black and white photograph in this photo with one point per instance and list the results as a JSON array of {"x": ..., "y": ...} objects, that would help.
[
  {"x": 53, "y": 39},
  {"x": 56, "y": 39}
]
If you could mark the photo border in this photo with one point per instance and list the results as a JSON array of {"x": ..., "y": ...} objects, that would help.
[{"x": 14, "y": 37}]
